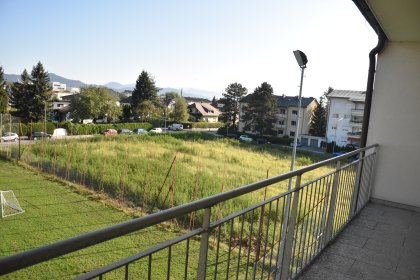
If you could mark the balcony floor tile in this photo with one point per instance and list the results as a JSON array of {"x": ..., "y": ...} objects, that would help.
[{"x": 383, "y": 242}]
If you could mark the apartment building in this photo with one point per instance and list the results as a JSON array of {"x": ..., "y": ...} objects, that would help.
[
  {"x": 287, "y": 115},
  {"x": 345, "y": 116}
]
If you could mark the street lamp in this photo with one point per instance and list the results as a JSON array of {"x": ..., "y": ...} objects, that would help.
[{"x": 302, "y": 61}]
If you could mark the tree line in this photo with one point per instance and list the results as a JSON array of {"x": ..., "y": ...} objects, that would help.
[
  {"x": 259, "y": 110},
  {"x": 31, "y": 97}
]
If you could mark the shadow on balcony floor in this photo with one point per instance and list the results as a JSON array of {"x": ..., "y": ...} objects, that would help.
[{"x": 381, "y": 243}]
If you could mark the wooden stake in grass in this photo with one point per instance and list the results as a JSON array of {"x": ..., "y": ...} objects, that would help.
[
  {"x": 194, "y": 195},
  {"x": 172, "y": 197},
  {"x": 84, "y": 166},
  {"x": 163, "y": 184},
  {"x": 147, "y": 179},
  {"x": 123, "y": 174},
  {"x": 68, "y": 162},
  {"x": 261, "y": 227}
]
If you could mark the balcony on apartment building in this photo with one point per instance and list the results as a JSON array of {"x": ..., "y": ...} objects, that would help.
[
  {"x": 357, "y": 112},
  {"x": 356, "y": 121}
]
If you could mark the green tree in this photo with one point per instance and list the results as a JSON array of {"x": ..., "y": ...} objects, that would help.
[
  {"x": 145, "y": 89},
  {"x": 4, "y": 96},
  {"x": 260, "y": 110},
  {"x": 21, "y": 97},
  {"x": 231, "y": 97},
  {"x": 318, "y": 125},
  {"x": 147, "y": 110},
  {"x": 180, "y": 109},
  {"x": 93, "y": 102},
  {"x": 31, "y": 94}
]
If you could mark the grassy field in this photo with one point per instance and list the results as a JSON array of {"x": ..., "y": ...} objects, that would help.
[
  {"x": 54, "y": 211},
  {"x": 138, "y": 168},
  {"x": 132, "y": 169}
]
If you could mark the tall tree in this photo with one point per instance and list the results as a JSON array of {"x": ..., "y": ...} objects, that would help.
[
  {"x": 260, "y": 110},
  {"x": 21, "y": 97},
  {"x": 231, "y": 97},
  {"x": 318, "y": 125},
  {"x": 4, "y": 96},
  {"x": 31, "y": 94},
  {"x": 180, "y": 111},
  {"x": 145, "y": 89},
  {"x": 93, "y": 102}
]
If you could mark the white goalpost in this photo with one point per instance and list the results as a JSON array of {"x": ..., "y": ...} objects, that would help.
[{"x": 9, "y": 204}]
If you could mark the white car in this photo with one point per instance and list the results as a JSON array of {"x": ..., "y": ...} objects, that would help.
[
  {"x": 156, "y": 130},
  {"x": 245, "y": 138},
  {"x": 9, "y": 136}
]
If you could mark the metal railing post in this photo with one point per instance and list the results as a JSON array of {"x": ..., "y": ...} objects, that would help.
[
  {"x": 330, "y": 219},
  {"x": 284, "y": 268},
  {"x": 204, "y": 245},
  {"x": 357, "y": 183},
  {"x": 372, "y": 172}
]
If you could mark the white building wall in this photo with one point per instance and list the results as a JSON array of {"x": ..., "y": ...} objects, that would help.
[
  {"x": 394, "y": 124},
  {"x": 339, "y": 117}
]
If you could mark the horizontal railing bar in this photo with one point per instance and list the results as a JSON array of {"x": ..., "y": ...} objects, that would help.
[
  {"x": 60, "y": 248},
  {"x": 250, "y": 208},
  {"x": 138, "y": 256}
]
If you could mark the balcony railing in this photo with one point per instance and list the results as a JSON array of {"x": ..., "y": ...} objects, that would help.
[
  {"x": 275, "y": 238},
  {"x": 357, "y": 112}
]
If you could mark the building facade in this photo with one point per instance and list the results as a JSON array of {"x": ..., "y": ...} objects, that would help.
[
  {"x": 345, "y": 117},
  {"x": 203, "y": 112},
  {"x": 287, "y": 115}
]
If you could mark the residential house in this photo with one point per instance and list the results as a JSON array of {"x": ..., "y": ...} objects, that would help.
[
  {"x": 345, "y": 116},
  {"x": 203, "y": 112},
  {"x": 61, "y": 108},
  {"x": 287, "y": 114}
]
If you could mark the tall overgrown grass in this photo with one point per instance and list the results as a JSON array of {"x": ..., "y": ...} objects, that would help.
[{"x": 161, "y": 171}]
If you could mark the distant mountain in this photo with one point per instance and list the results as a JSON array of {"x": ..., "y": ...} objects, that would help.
[
  {"x": 119, "y": 87},
  {"x": 53, "y": 78},
  {"x": 191, "y": 92}
]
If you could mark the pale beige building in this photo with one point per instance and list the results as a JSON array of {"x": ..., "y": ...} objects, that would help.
[{"x": 287, "y": 115}]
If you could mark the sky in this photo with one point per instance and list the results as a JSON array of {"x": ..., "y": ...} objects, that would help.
[{"x": 191, "y": 43}]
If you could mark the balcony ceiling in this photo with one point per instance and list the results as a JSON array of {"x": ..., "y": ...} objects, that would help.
[{"x": 400, "y": 19}]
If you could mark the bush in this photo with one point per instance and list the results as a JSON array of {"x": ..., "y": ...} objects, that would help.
[{"x": 206, "y": 124}]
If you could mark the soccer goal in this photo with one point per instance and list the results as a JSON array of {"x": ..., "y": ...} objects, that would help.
[{"x": 9, "y": 204}]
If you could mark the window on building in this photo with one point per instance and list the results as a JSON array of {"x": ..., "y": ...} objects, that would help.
[
  {"x": 280, "y": 132},
  {"x": 282, "y": 111},
  {"x": 292, "y": 133},
  {"x": 294, "y": 112},
  {"x": 293, "y": 123},
  {"x": 347, "y": 116},
  {"x": 333, "y": 127},
  {"x": 281, "y": 122},
  {"x": 336, "y": 116}
]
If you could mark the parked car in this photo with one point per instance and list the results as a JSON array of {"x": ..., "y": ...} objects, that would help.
[
  {"x": 245, "y": 138},
  {"x": 298, "y": 144},
  {"x": 156, "y": 130},
  {"x": 9, "y": 136},
  {"x": 263, "y": 141},
  {"x": 109, "y": 131},
  {"x": 139, "y": 131},
  {"x": 39, "y": 134},
  {"x": 176, "y": 126},
  {"x": 59, "y": 133},
  {"x": 125, "y": 131}
]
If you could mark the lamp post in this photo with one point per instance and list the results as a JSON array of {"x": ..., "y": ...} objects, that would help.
[{"x": 302, "y": 61}]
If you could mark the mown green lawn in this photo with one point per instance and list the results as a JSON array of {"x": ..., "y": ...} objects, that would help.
[{"x": 54, "y": 211}]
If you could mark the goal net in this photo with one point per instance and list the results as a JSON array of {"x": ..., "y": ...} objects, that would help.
[{"x": 9, "y": 204}]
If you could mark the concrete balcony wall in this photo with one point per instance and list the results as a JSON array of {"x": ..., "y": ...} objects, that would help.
[{"x": 394, "y": 123}]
